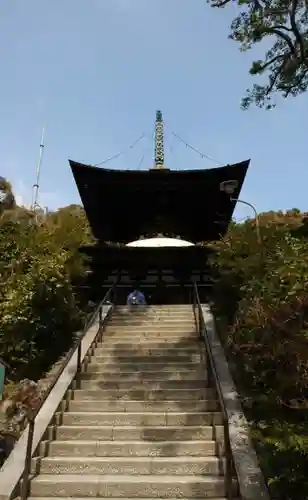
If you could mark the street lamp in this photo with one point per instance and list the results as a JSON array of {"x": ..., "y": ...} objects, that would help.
[{"x": 229, "y": 187}]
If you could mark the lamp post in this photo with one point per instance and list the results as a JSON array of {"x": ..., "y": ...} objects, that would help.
[
  {"x": 256, "y": 216},
  {"x": 229, "y": 187}
]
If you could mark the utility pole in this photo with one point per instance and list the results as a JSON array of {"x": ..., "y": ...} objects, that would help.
[{"x": 36, "y": 186}]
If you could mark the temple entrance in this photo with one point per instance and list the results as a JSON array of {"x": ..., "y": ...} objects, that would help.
[
  {"x": 157, "y": 294},
  {"x": 154, "y": 295}
]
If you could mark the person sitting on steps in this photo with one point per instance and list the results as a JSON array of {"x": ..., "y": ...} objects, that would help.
[{"x": 136, "y": 298}]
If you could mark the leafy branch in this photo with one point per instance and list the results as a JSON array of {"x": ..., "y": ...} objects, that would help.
[{"x": 285, "y": 63}]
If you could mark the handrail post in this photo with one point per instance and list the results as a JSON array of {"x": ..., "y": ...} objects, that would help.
[
  {"x": 200, "y": 322},
  {"x": 100, "y": 323},
  {"x": 193, "y": 291},
  {"x": 209, "y": 374},
  {"x": 28, "y": 460},
  {"x": 100, "y": 317},
  {"x": 78, "y": 370},
  {"x": 113, "y": 292},
  {"x": 228, "y": 458},
  {"x": 79, "y": 357},
  {"x": 194, "y": 296}
]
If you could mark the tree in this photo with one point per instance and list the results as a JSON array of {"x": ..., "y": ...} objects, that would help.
[
  {"x": 284, "y": 23},
  {"x": 70, "y": 227},
  {"x": 7, "y": 199},
  {"x": 40, "y": 307},
  {"x": 261, "y": 310}
]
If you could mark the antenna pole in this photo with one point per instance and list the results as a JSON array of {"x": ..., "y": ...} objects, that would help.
[
  {"x": 36, "y": 186},
  {"x": 159, "y": 141}
]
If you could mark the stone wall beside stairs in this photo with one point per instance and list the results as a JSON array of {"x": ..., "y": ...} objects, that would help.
[{"x": 251, "y": 481}]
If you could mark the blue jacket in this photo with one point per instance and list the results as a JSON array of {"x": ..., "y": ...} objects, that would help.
[{"x": 137, "y": 298}]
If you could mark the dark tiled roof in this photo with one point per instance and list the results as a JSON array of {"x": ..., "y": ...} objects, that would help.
[{"x": 121, "y": 205}]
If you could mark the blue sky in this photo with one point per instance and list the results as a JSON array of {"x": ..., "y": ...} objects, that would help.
[{"x": 95, "y": 71}]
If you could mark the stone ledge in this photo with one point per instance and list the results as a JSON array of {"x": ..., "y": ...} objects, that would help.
[
  {"x": 250, "y": 478},
  {"x": 12, "y": 469}
]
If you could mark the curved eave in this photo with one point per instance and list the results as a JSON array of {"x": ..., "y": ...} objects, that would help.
[{"x": 123, "y": 204}]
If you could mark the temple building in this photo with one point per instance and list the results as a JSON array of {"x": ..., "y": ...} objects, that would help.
[{"x": 152, "y": 227}]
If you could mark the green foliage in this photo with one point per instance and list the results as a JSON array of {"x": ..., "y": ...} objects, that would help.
[
  {"x": 39, "y": 309},
  {"x": 70, "y": 230},
  {"x": 7, "y": 200},
  {"x": 284, "y": 24},
  {"x": 262, "y": 308}
]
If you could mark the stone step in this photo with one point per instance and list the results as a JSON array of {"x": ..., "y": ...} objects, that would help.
[
  {"x": 154, "y": 319},
  {"x": 142, "y": 406},
  {"x": 145, "y": 326},
  {"x": 161, "y": 330},
  {"x": 142, "y": 432},
  {"x": 152, "y": 328},
  {"x": 149, "y": 356},
  {"x": 145, "y": 375},
  {"x": 139, "y": 366},
  {"x": 170, "y": 308},
  {"x": 146, "y": 419},
  {"x": 168, "y": 342},
  {"x": 173, "y": 309},
  {"x": 140, "y": 357},
  {"x": 174, "y": 341},
  {"x": 128, "y": 347},
  {"x": 149, "y": 312},
  {"x": 157, "y": 364},
  {"x": 123, "y": 384},
  {"x": 117, "y": 486},
  {"x": 144, "y": 394},
  {"x": 170, "y": 313},
  {"x": 87, "y": 498},
  {"x": 175, "y": 338},
  {"x": 131, "y": 448},
  {"x": 152, "y": 307},
  {"x": 155, "y": 326},
  {"x": 129, "y": 465}
]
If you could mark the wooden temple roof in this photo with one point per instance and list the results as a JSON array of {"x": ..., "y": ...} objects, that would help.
[{"x": 122, "y": 205}]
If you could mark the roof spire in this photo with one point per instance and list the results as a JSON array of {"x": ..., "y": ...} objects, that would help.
[{"x": 159, "y": 141}]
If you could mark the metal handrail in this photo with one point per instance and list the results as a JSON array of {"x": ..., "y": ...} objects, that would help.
[
  {"x": 212, "y": 376},
  {"x": 31, "y": 416},
  {"x": 4, "y": 363}
]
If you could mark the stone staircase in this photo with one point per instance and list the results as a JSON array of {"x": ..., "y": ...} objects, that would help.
[{"x": 142, "y": 423}]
